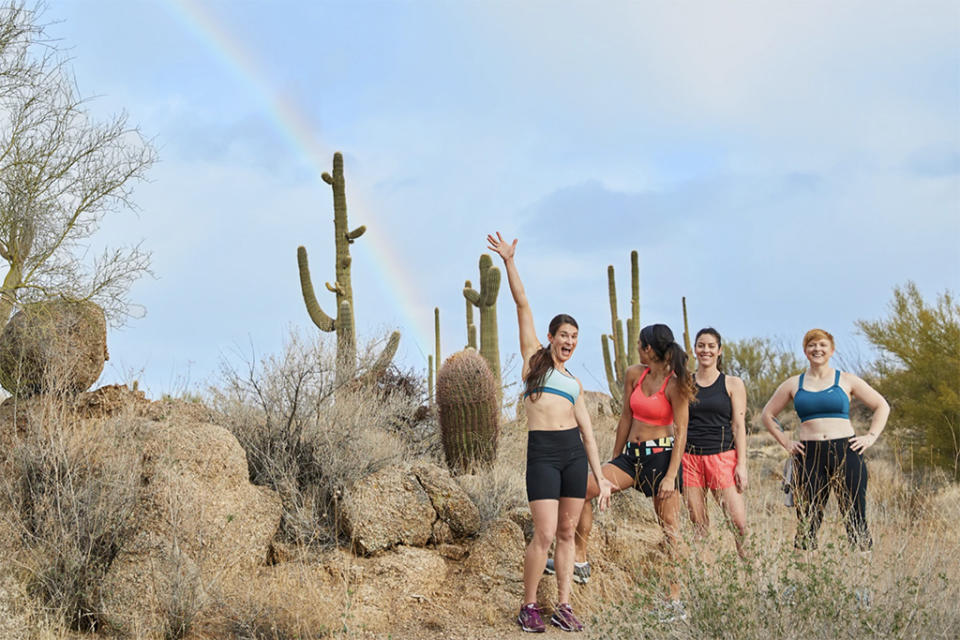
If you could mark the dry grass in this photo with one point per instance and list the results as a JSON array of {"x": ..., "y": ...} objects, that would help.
[{"x": 70, "y": 492}]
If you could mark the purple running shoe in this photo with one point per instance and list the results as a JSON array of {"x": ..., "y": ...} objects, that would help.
[
  {"x": 530, "y": 619},
  {"x": 563, "y": 617}
]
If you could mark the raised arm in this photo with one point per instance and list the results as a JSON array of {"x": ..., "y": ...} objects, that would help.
[{"x": 528, "y": 334}]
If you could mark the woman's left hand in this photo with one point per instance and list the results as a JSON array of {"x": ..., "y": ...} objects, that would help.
[
  {"x": 860, "y": 443},
  {"x": 606, "y": 488},
  {"x": 668, "y": 486},
  {"x": 740, "y": 477}
]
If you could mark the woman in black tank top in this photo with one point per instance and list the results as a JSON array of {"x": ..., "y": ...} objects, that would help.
[{"x": 716, "y": 452}]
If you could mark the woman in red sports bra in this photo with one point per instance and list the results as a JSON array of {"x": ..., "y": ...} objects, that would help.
[{"x": 650, "y": 437}]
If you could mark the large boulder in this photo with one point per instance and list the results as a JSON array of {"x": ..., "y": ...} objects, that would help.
[
  {"x": 452, "y": 504},
  {"x": 54, "y": 345},
  {"x": 199, "y": 522},
  {"x": 387, "y": 508}
]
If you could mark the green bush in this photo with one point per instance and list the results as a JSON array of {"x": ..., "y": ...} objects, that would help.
[
  {"x": 918, "y": 372},
  {"x": 763, "y": 364}
]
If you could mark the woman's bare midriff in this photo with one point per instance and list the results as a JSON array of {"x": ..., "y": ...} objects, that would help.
[
  {"x": 642, "y": 431},
  {"x": 549, "y": 412},
  {"x": 825, "y": 429}
]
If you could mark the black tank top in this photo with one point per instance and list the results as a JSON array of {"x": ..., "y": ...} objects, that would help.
[{"x": 710, "y": 430}]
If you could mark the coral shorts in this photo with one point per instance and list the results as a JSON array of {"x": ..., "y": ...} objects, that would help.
[{"x": 712, "y": 471}]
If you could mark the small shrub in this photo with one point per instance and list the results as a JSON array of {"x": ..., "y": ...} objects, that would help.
[
  {"x": 310, "y": 440},
  {"x": 72, "y": 496}
]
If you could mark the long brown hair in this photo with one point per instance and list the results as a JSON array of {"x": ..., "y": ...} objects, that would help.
[
  {"x": 660, "y": 339},
  {"x": 542, "y": 361},
  {"x": 710, "y": 331}
]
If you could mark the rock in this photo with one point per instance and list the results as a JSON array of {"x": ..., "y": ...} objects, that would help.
[
  {"x": 53, "y": 346},
  {"x": 387, "y": 508},
  {"x": 497, "y": 556},
  {"x": 524, "y": 519},
  {"x": 198, "y": 520},
  {"x": 450, "y": 501},
  {"x": 598, "y": 404}
]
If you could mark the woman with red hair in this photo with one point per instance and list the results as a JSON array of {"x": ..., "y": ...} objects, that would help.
[{"x": 827, "y": 452}]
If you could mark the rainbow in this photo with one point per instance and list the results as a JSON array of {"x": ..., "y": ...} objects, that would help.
[{"x": 291, "y": 122}]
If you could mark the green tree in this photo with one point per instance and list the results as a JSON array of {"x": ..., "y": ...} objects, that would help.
[
  {"x": 762, "y": 364},
  {"x": 918, "y": 371},
  {"x": 61, "y": 172}
]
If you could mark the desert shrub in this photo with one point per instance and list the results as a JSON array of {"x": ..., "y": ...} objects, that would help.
[
  {"x": 918, "y": 372},
  {"x": 308, "y": 439},
  {"x": 71, "y": 492},
  {"x": 763, "y": 364}
]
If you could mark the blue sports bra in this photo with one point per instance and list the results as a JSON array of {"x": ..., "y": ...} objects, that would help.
[
  {"x": 831, "y": 402},
  {"x": 560, "y": 384}
]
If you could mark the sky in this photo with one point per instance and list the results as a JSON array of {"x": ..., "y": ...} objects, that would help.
[{"x": 782, "y": 165}]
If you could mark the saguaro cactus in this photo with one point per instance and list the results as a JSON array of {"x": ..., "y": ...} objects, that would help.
[
  {"x": 486, "y": 302},
  {"x": 343, "y": 324},
  {"x": 624, "y": 350},
  {"x": 686, "y": 334},
  {"x": 469, "y": 411},
  {"x": 471, "y": 328}
]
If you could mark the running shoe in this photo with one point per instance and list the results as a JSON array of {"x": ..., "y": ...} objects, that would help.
[
  {"x": 581, "y": 571},
  {"x": 563, "y": 617},
  {"x": 530, "y": 619}
]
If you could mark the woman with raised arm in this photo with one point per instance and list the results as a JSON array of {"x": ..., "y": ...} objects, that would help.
[
  {"x": 651, "y": 436},
  {"x": 827, "y": 450},
  {"x": 560, "y": 442},
  {"x": 716, "y": 455}
]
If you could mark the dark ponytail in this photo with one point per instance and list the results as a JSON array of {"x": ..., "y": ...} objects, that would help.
[
  {"x": 659, "y": 337},
  {"x": 542, "y": 361}
]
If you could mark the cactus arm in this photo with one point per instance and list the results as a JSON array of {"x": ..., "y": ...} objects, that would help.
[
  {"x": 612, "y": 294},
  {"x": 472, "y": 296},
  {"x": 356, "y": 233},
  {"x": 321, "y": 319},
  {"x": 430, "y": 379},
  {"x": 386, "y": 356},
  {"x": 607, "y": 364},
  {"x": 326, "y": 178},
  {"x": 490, "y": 287},
  {"x": 686, "y": 329},
  {"x": 619, "y": 354}
]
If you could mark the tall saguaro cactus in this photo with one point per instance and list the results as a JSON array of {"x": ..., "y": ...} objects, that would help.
[
  {"x": 343, "y": 323},
  {"x": 471, "y": 328},
  {"x": 486, "y": 301},
  {"x": 624, "y": 350},
  {"x": 686, "y": 333}
]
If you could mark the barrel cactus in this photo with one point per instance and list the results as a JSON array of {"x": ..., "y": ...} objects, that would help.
[
  {"x": 56, "y": 345},
  {"x": 469, "y": 411}
]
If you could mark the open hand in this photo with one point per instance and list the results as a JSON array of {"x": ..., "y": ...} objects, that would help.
[
  {"x": 740, "y": 477},
  {"x": 501, "y": 246},
  {"x": 860, "y": 443},
  {"x": 668, "y": 487},
  {"x": 603, "y": 500}
]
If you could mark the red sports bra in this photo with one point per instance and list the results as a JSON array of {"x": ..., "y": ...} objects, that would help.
[{"x": 655, "y": 409}]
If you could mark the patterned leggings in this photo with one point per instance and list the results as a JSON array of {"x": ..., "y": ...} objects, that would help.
[{"x": 822, "y": 465}]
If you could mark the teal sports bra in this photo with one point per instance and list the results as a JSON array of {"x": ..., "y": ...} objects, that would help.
[
  {"x": 831, "y": 402},
  {"x": 559, "y": 384}
]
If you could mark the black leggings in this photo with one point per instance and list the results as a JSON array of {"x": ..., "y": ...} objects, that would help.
[
  {"x": 556, "y": 465},
  {"x": 822, "y": 465}
]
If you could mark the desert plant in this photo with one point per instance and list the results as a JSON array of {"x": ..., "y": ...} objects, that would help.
[
  {"x": 469, "y": 411},
  {"x": 763, "y": 364},
  {"x": 73, "y": 497},
  {"x": 624, "y": 347},
  {"x": 486, "y": 301},
  {"x": 304, "y": 444},
  {"x": 471, "y": 328},
  {"x": 918, "y": 371},
  {"x": 691, "y": 360},
  {"x": 343, "y": 323}
]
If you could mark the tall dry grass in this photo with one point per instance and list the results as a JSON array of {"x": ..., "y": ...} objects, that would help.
[{"x": 906, "y": 587}]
